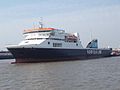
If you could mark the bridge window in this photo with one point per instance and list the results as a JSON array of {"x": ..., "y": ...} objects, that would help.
[{"x": 57, "y": 44}]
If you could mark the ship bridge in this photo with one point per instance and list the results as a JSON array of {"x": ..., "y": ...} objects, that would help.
[{"x": 42, "y": 33}]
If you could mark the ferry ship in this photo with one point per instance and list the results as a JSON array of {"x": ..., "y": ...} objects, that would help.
[{"x": 51, "y": 44}]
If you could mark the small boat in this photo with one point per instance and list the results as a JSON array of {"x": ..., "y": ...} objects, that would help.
[{"x": 6, "y": 55}]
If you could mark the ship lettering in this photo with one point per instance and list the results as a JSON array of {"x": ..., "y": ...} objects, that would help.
[{"x": 94, "y": 52}]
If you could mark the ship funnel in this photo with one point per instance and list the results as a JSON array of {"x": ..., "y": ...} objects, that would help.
[{"x": 93, "y": 44}]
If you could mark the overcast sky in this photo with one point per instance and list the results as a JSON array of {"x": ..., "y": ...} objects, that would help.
[{"x": 101, "y": 18}]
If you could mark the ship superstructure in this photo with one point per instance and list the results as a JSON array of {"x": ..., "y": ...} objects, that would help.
[
  {"x": 50, "y": 38},
  {"x": 50, "y": 44}
]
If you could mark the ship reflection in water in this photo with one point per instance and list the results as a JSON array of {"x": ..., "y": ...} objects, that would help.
[{"x": 96, "y": 74}]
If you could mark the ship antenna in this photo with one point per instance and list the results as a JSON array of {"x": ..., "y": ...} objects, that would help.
[
  {"x": 33, "y": 24},
  {"x": 40, "y": 22},
  {"x": 91, "y": 36}
]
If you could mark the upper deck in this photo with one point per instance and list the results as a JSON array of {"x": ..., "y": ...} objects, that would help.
[{"x": 39, "y": 30}]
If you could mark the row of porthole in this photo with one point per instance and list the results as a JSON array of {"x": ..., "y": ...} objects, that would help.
[{"x": 76, "y": 43}]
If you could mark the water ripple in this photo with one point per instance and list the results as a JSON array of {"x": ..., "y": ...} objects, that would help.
[{"x": 96, "y": 74}]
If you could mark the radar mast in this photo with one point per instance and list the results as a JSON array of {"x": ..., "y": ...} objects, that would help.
[{"x": 40, "y": 22}]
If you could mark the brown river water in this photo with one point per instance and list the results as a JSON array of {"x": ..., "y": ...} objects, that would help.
[{"x": 95, "y": 74}]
